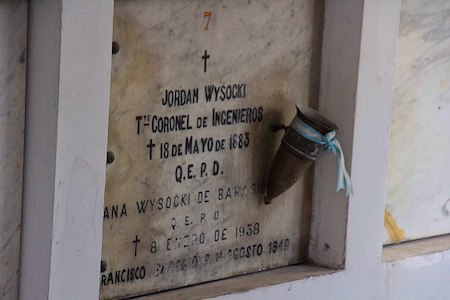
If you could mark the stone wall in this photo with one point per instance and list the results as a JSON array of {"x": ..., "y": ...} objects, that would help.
[{"x": 13, "y": 37}]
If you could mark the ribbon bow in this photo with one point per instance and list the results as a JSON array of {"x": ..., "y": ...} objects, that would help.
[{"x": 329, "y": 140}]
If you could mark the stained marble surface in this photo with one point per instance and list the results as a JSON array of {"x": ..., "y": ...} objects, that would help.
[
  {"x": 270, "y": 51},
  {"x": 13, "y": 22},
  {"x": 418, "y": 203}
]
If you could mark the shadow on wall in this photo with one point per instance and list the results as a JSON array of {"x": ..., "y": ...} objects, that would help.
[{"x": 13, "y": 37}]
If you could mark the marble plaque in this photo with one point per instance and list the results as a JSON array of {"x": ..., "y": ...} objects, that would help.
[
  {"x": 196, "y": 86},
  {"x": 418, "y": 202}
]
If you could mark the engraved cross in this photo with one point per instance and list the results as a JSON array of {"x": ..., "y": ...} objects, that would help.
[
  {"x": 205, "y": 58},
  {"x": 135, "y": 242}
]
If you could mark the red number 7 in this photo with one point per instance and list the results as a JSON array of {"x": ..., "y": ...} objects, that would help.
[{"x": 207, "y": 14}]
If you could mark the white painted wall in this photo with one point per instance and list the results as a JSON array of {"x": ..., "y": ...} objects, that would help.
[
  {"x": 13, "y": 37},
  {"x": 68, "y": 91},
  {"x": 65, "y": 148},
  {"x": 421, "y": 277}
]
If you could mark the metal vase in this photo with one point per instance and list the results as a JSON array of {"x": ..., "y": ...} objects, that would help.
[{"x": 296, "y": 153}]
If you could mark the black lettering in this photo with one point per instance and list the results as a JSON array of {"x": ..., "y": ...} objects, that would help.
[
  {"x": 142, "y": 272},
  {"x": 142, "y": 206},
  {"x": 180, "y": 97},
  {"x": 228, "y": 92},
  {"x": 123, "y": 212},
  {"x": 132, "y": 274},
  {"x": 160, "y": 203},
  {"x": 216, "y": 168},
  {"x": 216, "y": 90},
  {"x": 152, "y": 202},
  {"x": 209, "y": 90},
  {"x": 138, "y": 119},
  {"x": 246, "y": 252},
  {"x": 103, "y": 281},
  {"x": 123, "y": 275},
  {"x": 105, "y": 213},
  {"x": 165, "y": 124},
  {"x": 113, "y": 211},
  {"x": 186, "y": 200},
  {"x": 259, "y": 250},
  {"x": 187, "y": 221},
  {"x": 225, "y": 92},
  {"x": 220, "y": 235},
  {"x": 237, "y": 116}
]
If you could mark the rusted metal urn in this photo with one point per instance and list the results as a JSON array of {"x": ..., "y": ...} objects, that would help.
[{"x": 296, "y": 153}]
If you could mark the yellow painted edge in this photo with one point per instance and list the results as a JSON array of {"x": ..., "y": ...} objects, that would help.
[{"x": 396, "y": 234}]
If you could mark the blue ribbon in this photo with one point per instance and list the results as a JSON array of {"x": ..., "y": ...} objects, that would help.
[{"x": 329, "y": 140}]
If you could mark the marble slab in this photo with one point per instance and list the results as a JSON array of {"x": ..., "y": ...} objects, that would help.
[
  {"x": 196, "y": 86},
  {"x": 418, "y": 203},
  {"x": 13, "y": 37}
]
